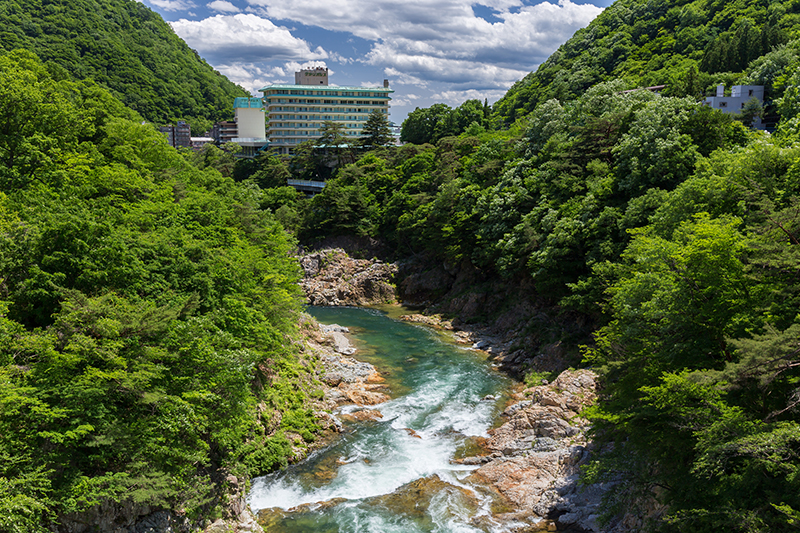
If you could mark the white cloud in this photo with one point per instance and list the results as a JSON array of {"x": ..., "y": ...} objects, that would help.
[
  {"x": 439, "y": 39},
  {"x": 405, "y": 100},
  {"x": 223, "y": 6},
  {"x": 226, "y": 39},
  {"x": 173, "y": 5},
  {"x": 294, "y": 66},
  {"x": 338, "y": 58},
  {"x": 422, "y": 70},
  {"x": 456, "y": 98},
  {"x": 242, "y": 46}
]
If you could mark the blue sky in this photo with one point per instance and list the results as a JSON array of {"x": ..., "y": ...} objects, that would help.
[{"x": 430, "y": 50}]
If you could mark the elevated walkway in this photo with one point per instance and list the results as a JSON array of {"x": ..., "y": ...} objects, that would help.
[{"x": 307, "y": 186}]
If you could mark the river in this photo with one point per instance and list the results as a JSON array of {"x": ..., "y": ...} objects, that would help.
[{"x": 439, "y": 406}]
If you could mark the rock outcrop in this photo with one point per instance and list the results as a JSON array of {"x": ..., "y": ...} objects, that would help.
[
  {"x": 345, "y": 380},
  {"x": 533, "y": 460},
  {"x": 331, "y": 277}
]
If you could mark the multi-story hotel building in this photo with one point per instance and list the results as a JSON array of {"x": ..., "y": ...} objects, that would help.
[{"x": 296, "y": 112}]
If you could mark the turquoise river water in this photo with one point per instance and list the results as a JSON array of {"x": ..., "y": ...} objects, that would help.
[{"x": 437, "y": 389}]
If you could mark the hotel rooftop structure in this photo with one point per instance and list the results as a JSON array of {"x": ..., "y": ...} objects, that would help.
[{"x": 296, "y": 112}]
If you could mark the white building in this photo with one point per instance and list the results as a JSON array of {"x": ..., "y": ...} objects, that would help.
[
  {"x": 296, "y": 112},
  {"x": 250, "y": 125},
  {"x": 740, "y": 95}
]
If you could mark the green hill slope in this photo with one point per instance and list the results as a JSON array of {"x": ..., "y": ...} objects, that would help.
[
  {"x": 147, "y": 308},
  {"x": 125, "y": 46},
  {"x": 683, "y": 44}
]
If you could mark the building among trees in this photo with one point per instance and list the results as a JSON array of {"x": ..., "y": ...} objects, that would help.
[
  {"x": 247, "y": 129},
  {"x": 741, "y": 100},
  {"x": 295, "y": 113},
  {"x": 250, "y": 126},
  {"x": 178, "y": 135}
]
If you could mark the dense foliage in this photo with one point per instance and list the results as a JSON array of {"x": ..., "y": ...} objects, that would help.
[
  {"x": 147, "y": 308},
  {"x": 674, "y": 229},
  {"x": 428, "y": 125},
  {"x": 126, "y": 47},
  {"x": 147, "y": 297},
  {"x": 687, "y": 45}
]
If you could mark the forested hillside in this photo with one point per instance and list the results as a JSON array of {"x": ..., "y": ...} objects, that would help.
[
  {"x": 147, "y": 316},
  {"x": 147, "y": 305},
  {"x": 126, "y": 47},
  {"x": 671, "y": 228},
  {"x": 686, "y": 45}
]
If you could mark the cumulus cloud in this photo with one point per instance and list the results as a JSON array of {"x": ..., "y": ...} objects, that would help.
[
  {"x": 456, "y": 98},
  {"x": 226, "y": 39},
  {"x": 223, "y": 6},
  {"x": 245, "y": 47},
  {"x": 173, "y": 5},
  {"x": 445, "y": 40},
  {"x": 421, "y": 70}
]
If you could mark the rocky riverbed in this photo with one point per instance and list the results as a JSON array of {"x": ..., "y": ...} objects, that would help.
[{"x": 529, "y": 466}]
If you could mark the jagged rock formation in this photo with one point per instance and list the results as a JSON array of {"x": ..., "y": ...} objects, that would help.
[
  {"x": 345, "y": 380},
  {"x": 331, "y": 277},
  {"x": 534, "y": 458}
]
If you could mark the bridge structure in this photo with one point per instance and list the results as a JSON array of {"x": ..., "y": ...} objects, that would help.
[{"x": 307, "y": 186}]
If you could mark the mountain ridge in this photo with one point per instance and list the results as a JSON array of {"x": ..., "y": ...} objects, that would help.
[{"x": 126, "y": 47}]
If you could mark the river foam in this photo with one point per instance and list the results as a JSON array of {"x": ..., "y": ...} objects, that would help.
[{"x": 417, "y": 437}]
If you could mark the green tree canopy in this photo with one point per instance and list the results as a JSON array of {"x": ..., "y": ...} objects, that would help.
[{"x": 376, "y": 131}]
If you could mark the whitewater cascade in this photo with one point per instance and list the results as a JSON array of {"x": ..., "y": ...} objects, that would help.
[{"x": 443, "y": 399}]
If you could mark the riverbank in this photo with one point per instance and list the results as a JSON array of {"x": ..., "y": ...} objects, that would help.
[
  {"x": 343, "y": 380},
  {"x": 530, "y": 464}
]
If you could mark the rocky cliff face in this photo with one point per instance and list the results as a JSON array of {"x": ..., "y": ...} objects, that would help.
[
  {"x": 523, "y": 330},
  {"x": 331, "y": 277},
  {"x": 534, "y": 458}
]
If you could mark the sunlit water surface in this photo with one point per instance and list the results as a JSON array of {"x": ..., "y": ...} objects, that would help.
[{"x": 438, "y": 389}]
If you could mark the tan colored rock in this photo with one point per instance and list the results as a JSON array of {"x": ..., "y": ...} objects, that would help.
[
  {"x": 362, "y": 416},
  {"x": 538, "y": 450},
  {"x": 413, "y": 499},
  {"x": 364, "y": 397},
  {"x": 334, "y": 278},
  {"x": 375, "y": 377}
]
